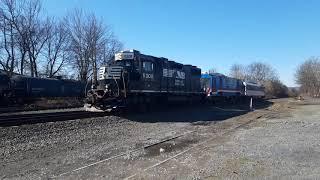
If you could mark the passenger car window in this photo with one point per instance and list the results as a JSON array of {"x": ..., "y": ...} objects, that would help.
[{"x": 147, "y": 66}]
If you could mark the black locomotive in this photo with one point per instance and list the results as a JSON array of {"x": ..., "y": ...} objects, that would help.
[{"x": 137, "y": 79}]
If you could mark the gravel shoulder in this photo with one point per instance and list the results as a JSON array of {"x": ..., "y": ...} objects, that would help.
[{"x": 221, "y": 142}]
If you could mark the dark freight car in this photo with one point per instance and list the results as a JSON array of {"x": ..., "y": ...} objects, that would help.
[
  {"x": 139, "y": 79},
  {"x": 4, "y": 84},
  {"x": 72, "y": 88},
  {"x": 23, "y": 86}
]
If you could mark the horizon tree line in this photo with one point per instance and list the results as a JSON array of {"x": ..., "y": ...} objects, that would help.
[
  {"x": 308, "y": 77},
  {"x": 263, "y": 74},
  {"x": 37, "y": 45}
]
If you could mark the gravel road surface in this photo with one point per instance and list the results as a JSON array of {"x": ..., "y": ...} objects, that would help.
[{"x": 278, "y": 140}]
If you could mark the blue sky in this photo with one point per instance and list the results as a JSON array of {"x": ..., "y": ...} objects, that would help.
[{"x": 212, "y": 33}]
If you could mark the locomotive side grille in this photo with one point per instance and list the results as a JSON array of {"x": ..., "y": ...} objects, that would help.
[{"x": 114, "y": 72}]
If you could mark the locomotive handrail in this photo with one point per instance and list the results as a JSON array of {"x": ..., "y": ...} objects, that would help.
[{"x": 124, "y": 85}]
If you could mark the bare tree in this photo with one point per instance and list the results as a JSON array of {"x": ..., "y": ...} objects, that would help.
[
  {"x": 78, "y": 50},
  {"x": 112, "y": 46},
  {"x": 257, "y": 72},
  {"x": 37, "y": 35},
  {"x": 29, "y": 41},
  {"x": 22, "y": 46},
  {"x": 293, "y": 91},
  {"x": 308, "y": 76},
  {"x": 9, "y": 12},
  {"x": 275, "y": 88},
  {"x": 238, "y": 71},
  {"x": 96, "y": 39},
  {"x": 20, "y": 23},
  {"x": 91, "y": 43},
  {"x": 55, "y": 48},
  {"x": 261, "y": 72},
  {"x": 23, "y": 34}
]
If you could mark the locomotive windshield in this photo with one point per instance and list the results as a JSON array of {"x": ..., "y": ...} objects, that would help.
[{"x": 126, "y": 63}]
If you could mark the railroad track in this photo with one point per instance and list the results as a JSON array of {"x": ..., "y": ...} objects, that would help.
[
  {"x": 31, "y": 118},
  {"x": 11, "y": 109},
  {"x": 200, "y": 145},
  {"x": 125, "y": 153},
  {"x": 16, "y": 109}
]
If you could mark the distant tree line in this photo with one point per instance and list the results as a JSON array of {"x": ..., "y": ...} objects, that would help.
[
  {"x": 263, "y": 74},
  {"x": 308, "y": 77},
  {"x": 43, "y": 46}
]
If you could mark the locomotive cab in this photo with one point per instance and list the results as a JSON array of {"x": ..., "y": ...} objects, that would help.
[{"x": 117, "y": 74}]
